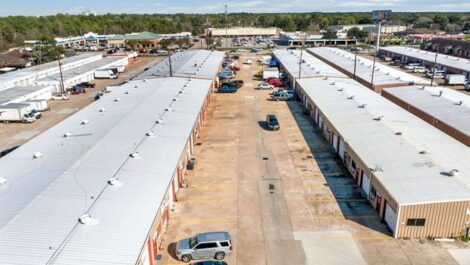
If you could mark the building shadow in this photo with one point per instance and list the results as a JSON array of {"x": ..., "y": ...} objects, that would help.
[{"x": 348, "y": 195}]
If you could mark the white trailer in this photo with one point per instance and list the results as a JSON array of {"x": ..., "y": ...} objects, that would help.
[
  {"x": 16, "y": 112},
  {"x": 105, "y": 74},
  {"x": 455, "y": 79},
  {"x": 38, "y": 104},
  {"x": 270, "y": 72}
]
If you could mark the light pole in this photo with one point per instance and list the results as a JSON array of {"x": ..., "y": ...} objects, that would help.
[
  {"x": 434, "y": 68},
  {"x": 301, "y": 53},
  {"x": 373, "y": 71},
  {"x": 377, "y": 45},
  {"x": 62, "y": 85}
]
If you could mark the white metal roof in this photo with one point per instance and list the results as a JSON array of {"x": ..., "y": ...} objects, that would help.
[
  {"x": 451, "y": 108},
  {"x": 192, "y": 63},
  {"x": 47, "y": 68},
  {"x": 384, "y": 75},
  {"x": 311, "y": 66},
  {"x": 410, "y": 177},
  {"x": 442, "y": 59},
  {"x": 20, "y": 93},
  {"x": 86, "y": 68},
  {"x": 44, "y": 197}
]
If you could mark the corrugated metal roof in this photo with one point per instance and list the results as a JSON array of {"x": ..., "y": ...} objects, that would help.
[
  {"x": 44, "y": 197},
  {"x": 19, "y": 92},
  {"x": 442, "y": 59},
  {"x": 312, "y": 67},
  {"x": 445, "y": 108},
  {"x": 193, "y": 63},
  {"x": 384, "y": 75},
  {"x": 410, "y": 177}
]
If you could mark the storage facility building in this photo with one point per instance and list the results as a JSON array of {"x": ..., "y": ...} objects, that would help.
[
  {"x": 414, "y": 175},
  {"x": 361, "y": 70},
  {"x": 450, "y": 64},
  {"x": 444, "y": 108},
  {"x": 83, "y": 73},
  {"x": 308, "y": 65},
  {"x": 25, "y": 93},
  {"x": 99, "y": 187},
  {"x": 29, "y": 75},
  {"x": 200, "y": 64}
]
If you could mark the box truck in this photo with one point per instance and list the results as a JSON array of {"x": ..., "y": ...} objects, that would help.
[
  {"x": 16, "y": 112},
  {"x": 270, "y": 72},
  {"x": 455, "y": 79},
  {"x": 105, "y": 74}
]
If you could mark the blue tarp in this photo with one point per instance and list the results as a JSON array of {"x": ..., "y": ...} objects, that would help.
[
  {"x": 225, "y": 75},
  {"x": 273, "y": 63}
]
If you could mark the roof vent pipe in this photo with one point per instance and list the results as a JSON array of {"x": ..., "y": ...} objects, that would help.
[
  {"x": 168, "y": 109},
  {"x": 127, "y": 92},
  {"x": 37, "y": 155},
  {"x": 440, "y": 93},
  {"x": 3, "y": 181},
  {"x": 135, "y": 155},
  {"x": 117, "y": 99},
  {"x": 362, "y": 106},
  {"x": 453, "y": 172},
  {"x": 459, "y": 103},
  {"x": 67, "y": 134},
  {"x": 85, "y": 122},
  {"x": 378, "y": 118},
  {"x": 114, "y": 182},
  {"x": 159, "y": 121},
  {"x": 351, "y": 97},
  {"x": 87, "y": 220},
  {"x": 176, "y": 99},
  {"x": 150, "y": 134}
]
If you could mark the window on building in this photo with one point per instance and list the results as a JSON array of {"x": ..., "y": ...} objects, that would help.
[{"x": 415, "y": 222}]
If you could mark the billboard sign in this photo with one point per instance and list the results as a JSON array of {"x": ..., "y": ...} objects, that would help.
[{"x": 381, "y": 15}]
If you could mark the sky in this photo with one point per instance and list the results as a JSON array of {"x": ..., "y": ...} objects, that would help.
[{"x": 48, "y": 7}]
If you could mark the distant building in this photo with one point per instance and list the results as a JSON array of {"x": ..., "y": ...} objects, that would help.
[
  {"x": 299, "y": 37},
  {"x": 342, "y": 30},
  {"x": 458, "y": 48},
  {"x": 242, "y": 32},
  {"x": 12, "y": 61},
  {"x": 146, "y": 39}
]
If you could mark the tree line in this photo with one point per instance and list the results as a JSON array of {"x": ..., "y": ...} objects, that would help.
[{"x": 15, "y": 29}]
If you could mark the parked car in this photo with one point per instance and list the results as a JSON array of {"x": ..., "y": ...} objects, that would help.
[
  {"x": 265, "y": 85},
  {"x": 87, "y": 84},
  {"x": 272, "y": 123},
  {"x": 282, "y": 96},
  {"x": 228, "y": 89},
  {"x": 61, "y": 97},
  {"x": 234, "y": 68},
  {"x": 411, "y": 66},
  {"x": 234, "y": 83},
  {"x": 210, "y": 262},
  {"x": 35, "y": 113},
  {"x": 248, "y": 61},
  {"x": 204, "y": 246},
  {"x": 437, "y": 74},
  {"x": 255, "y": 50},
  {"x": 419, "y": 69}
]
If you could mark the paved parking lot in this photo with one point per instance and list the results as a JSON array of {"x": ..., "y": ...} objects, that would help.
[
  {"x": 14, "y": 134},
  {"x": 283, "y": 196}
]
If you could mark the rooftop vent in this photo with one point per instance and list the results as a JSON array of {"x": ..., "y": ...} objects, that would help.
[
  {"x": 459, "y": 103},
  {"x": 351, "y": 97},
  {"x": 114, "y": 182},
  {"x": 136, "y": 86},
  {"x": 332, "y": 83},
  {"x": 398, "y": 133},
  {"x": 176, "y": 99},
  {"x": 37, "y": 155},
  {"x": 3, "y": 181},
  {"x": 168, "y": 109},
  {"x": 145, "y": 80},
  {"x": 423, "y": 152},
  {"x": 102, "y": 109},
  {"x": 127, "y": 92},
  {"x": 87, "y": 220},
  {"x": 440, "y": 93},
  {"x": 453, "y": 172},
  {"x": 67, "y": 134},
  {"x": 378, "y": 118},
  {"x": 150, "y": 133},
  {"x": 341, "y": 89},
  {"x": 362, "y": 106},
  {"x": 117, "y": 99},
  {"x": 85, "y": 122},
  {"x": 159, "y": 121},
  {"x": 421, "y": 87},
  {"x": 325, "y": 78},
  {"x": 181, "y": 91},
  {"x": 135, "y": 155}
]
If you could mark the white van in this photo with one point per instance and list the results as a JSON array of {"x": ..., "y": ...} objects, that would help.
[
  {"x": 419, "y": 69},
  {"x": 411, "y": 66}
]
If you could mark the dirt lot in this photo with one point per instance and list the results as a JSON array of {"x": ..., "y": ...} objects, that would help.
[
  {"x": 283, "y": 195},
  {"x": 14, "y": 134}
]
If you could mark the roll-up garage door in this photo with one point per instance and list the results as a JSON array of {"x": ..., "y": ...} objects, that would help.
[
  {"x": 341, "y": 149},
  {"x": 365, "y": 184},
  {"x": 390, "y": 217},
  {"x": 335, "y": 142}
]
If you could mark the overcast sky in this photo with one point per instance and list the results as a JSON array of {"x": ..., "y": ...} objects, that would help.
[{"x": 46, "y": 7}]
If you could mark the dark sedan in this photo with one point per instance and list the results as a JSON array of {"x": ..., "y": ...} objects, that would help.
[{"x": 227, "y": 89}]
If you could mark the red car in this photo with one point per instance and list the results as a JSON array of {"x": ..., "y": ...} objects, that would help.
[
  {"x": 270, "y": 79},
  {"x": 277, "y": 83},
  {"x": 234, "y": 68}
]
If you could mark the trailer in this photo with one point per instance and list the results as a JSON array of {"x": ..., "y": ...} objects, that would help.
[
  {"x": 38, "y": 104},
  {"x": 16, "y": 112},
  {"x": 270, "y": 72},
  {"x": 105, "y": 74},
  {"x": 455, "y": 79}
]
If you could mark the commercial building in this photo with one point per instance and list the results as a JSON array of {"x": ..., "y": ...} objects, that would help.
[
  {"x": 360, "y": 69},
  {"x": 200, "y": 64},
  {"x": 30, "y": 75},
  {"x": 241, "y": 32},
  {"x": 25, "y": 93},
  {"x": 99, "y": 187},
  {"x": 303, "y": 38},
  {"x": 458, "y": 48},
  {"x": 448, "y": 63},
  {"x": 342, "y": 30},
  {"x": 84, "y": 73},
  {"x": 308, "y": 66},
  {"x": 141, "y": 40},
  {"x": 414, "y": 175},
  {"x": 444, "y": 108},
  {"x": 13, "y": 62}
]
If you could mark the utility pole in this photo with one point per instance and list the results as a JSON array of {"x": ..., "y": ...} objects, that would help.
[
  {"x": 377, "y": 45},
  {"x": 434, "y": 68},
  {"x": 226, "y": 27},
  {"x": 373, "y": 71},
  {"x": 169, "y": 61},
  {"x": 62, "y": 85},
  {"x": 301, "y": 53},
  {"x": 355, "y": 62}
]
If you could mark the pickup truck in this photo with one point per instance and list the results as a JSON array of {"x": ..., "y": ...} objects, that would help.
[{"x": 282, "y": 96}]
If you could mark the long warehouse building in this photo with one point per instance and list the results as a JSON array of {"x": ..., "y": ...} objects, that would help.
[
  {"x": 450, "y": 64},
  {"x": 99, "y": 187},
  {"x": 29, "y": 75},
  {"x": 360, "y": 69},
  {"x": 444, "y": 108},
  {"x": 200, "y": 64},
  {"x": 414, "y": 175}
]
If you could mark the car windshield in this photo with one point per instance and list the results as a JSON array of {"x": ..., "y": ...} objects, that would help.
[{"x": 192, "y": 242}]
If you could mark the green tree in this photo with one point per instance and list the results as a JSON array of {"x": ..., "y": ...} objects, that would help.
[
  {"x": 356, "y": 33},
  {"x": 330, "y": 35}
]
